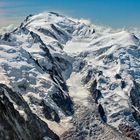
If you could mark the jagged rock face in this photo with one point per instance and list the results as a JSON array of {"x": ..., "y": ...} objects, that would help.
[
  {"x": 70, "y": 73},
  {"x": 65, "y": 105},
  {"x": 129, "y": 132},
  {"x": 115, "y": 61},
  {"x": 135, "y": 99},
  {"x": 49, "y": 113},
  {"x": 17, "y": 122}
]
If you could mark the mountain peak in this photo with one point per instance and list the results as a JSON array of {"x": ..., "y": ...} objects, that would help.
[{"x": 74, "y": 76}]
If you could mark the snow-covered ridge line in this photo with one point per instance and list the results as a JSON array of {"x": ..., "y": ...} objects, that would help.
[{"x": 48, "y": 54}]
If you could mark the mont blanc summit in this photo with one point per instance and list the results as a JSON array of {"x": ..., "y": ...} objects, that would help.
[{"x": 64, "y": 78}]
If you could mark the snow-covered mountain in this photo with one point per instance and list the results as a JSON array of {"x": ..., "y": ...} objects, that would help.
[{"x": 80, "y": 80}]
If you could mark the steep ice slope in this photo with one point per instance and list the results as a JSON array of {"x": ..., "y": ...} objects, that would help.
[
  {"x": 65, "y": 68},
  {"x": 112, "y": 60},
  {"x": 106, "y": 58}
]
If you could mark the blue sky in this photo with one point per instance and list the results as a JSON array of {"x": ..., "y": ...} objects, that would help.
[{"x": 115, "y": 13}]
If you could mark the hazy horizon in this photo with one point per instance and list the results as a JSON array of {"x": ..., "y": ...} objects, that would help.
[{"x": 114, "y": 13}]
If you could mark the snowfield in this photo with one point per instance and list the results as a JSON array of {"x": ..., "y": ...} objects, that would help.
[{"x": 71, "y": 72}]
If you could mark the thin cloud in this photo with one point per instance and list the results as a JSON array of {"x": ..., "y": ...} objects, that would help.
[
  {"x": 85, "y": 21},
  {"x": 10, "y": 13},
  {"x": 7, "y": 21}
]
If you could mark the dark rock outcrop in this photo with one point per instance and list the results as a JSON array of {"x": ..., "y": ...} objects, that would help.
[
  {"x": 62, "y": 34},
  {"x": 102, "y": 113},
  {"x": 88, "y": 77},
  {"x": 123, "y": 84},
  {"x": 6, "y": 37},
  {"x": 93, "y": 86},
  {"x": 97, "y": 95},
  {"x": 54, "y": 13},
  {"x": 57, "y": 30},
  {"x": 17, "y": 122},
  {"x": 129, "y": 132},
  {"x": 64, "y": 102},
  {"x": 50, "y": 113},
  {"x": 118, "y": 76},
  {"x": 47, "y": 33}
]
